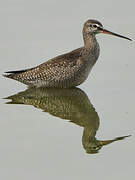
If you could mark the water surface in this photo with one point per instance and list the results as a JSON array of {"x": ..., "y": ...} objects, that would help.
[{"x": 71, "y": 134}]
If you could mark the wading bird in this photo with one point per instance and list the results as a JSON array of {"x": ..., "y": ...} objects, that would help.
[{"x": 67, "y": 70}]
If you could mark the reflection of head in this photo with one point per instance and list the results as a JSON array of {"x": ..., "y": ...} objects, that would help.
[
  {"x": 89, "y": 141},
  {"x": 71, "y": 104},
  {"x": 93, "y": 147}
]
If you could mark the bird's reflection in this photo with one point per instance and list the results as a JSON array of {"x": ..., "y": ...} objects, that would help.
[{"x": 71, "y": 104}]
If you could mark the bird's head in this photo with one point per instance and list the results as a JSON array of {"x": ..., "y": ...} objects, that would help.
[{"x": 93, "y": 27}]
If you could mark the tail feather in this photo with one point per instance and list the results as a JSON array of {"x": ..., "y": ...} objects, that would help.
[
  {"x": 22, "y": 76},
  {"x": 9, "y": 75},
  {"x": 14, "y": 74}
]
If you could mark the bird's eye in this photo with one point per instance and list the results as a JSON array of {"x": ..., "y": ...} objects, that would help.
[
  {"x": 95, "y": 148},
  {"x": 95, "y": 26}
]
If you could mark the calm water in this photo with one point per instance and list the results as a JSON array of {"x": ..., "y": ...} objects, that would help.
[{"x": 75, "y": 133}]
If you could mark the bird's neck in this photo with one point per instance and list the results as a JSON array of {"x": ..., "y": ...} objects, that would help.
[{"x": 90, "y": 41}]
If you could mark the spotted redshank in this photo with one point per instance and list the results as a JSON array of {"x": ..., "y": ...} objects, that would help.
[{"x": 67, "y": 70}]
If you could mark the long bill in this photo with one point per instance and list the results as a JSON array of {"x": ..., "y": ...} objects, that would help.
[
  {"x": 114, "y": 34},
  {"x": 103, "y": 143}
]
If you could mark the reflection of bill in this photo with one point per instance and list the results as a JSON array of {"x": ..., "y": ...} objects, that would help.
[{"x": 71, "y": 104}]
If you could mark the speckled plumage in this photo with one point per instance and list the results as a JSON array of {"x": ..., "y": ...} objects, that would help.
[
  {"x": 64, "y": 71},
  {"x": 67, "y": 70},
  {"x": 68, "y": 104}
]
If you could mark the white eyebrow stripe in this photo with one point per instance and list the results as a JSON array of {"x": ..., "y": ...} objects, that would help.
[{"x": 97, "y": 25}]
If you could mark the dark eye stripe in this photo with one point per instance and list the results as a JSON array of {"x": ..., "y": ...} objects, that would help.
[{"x": 95, "y": 26}]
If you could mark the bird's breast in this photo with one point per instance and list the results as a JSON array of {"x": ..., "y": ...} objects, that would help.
[{"x": 86, "y": 63}]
